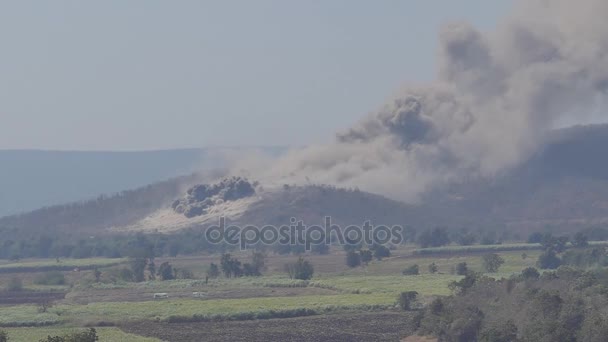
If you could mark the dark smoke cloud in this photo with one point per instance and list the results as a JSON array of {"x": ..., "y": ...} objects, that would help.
[{"x": 496, "y": 96}]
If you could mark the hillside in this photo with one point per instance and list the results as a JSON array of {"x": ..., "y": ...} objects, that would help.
[
  {"x": 564, "y": 186},
  {"x": 31, "y": 179}
]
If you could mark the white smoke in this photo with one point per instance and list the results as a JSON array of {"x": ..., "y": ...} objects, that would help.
[{"x": 496, "y": 96}]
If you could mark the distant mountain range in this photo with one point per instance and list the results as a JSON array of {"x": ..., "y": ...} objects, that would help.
[
  {"x": 564, "y": 187},
  {"x": 30, "y": 179}
]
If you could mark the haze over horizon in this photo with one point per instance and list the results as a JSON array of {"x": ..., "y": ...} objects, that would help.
[{"x": 123, "y": 76}]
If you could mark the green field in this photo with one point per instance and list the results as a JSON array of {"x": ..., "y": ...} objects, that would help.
[
  {"x": 336, "y": 289},
  {"x": 105, "y": 334},
  {"x": 47, "y": 264}
]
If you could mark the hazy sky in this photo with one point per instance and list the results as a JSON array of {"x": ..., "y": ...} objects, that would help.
[{"x": 123, "y": 75}]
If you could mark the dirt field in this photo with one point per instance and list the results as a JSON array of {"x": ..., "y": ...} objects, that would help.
[{"x": 371, "y": 326}]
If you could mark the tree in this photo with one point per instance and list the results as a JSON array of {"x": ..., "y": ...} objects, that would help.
[
  {"x": 213, "y": 271},
  {"x": 580, "y": 240},
  {"x": 151, "y": 270},
  {"x": 506, "y": 332},
  {"x": 230, "y": 266},
  {"x": 406, "y": 299},
  {"x": 536, "y": 237},
  {"x": 464, "y": 284},
  {"x": 462, "y": 269},
  {"x": 466, "y": 239},
  {"x": 138, "y": 266},
  {"x": 321, "y": 249},
  {"x": 433, "y": 268},
  {"x": 353, "y": 259},
  {"x": 556, "y": 244},
  {"x": 380, "y": 251},
  {"x": 530, "y": 273},
  {"x": 366, "y": 256},
  {"x": 165, "y": 271},
  {"x": 548, "y": 260},
  {"x": 258, "y": 263},
  {"x": 492, "y": 262},
  {"x": 3, "y": 336},
  {"x": 301, "y": 269},
  {"x": 411, "y": 270}
]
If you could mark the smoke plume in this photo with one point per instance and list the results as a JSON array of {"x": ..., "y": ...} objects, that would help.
[{"x": 495, "y": 97}]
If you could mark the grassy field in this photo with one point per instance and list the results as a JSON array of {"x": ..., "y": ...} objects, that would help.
[
  {"x": 30, "y": 265},
  {"x": 163, "y": 309},
  {"x": 105, "y": 334},
  {"x": 335, "y": 289}
]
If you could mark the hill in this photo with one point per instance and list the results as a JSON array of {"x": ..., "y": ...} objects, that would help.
[
  {"x": 563, "y": 187},
  {"x": 31, "y": 179}
]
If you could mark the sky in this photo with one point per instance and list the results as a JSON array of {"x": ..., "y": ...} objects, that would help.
[{"x": 146, "y": 75}]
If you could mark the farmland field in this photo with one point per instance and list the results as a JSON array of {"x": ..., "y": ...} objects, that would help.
[
  {"x": 105, "y": 334},
  {"x": 340, "y": 297}
]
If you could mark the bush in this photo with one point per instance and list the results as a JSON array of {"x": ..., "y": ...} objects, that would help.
[
  {"x": 412, "y": 270},
  {"x": 50, "y": 278},
  {"x": 433, "y": 268},
  {"x": 3, "y": 336}
]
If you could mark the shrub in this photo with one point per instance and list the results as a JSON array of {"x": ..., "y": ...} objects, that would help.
[
  {"x": 412, "y": 270},
  {"x": 433, "y": 268},
  {"x": 50, "y": 278}
]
